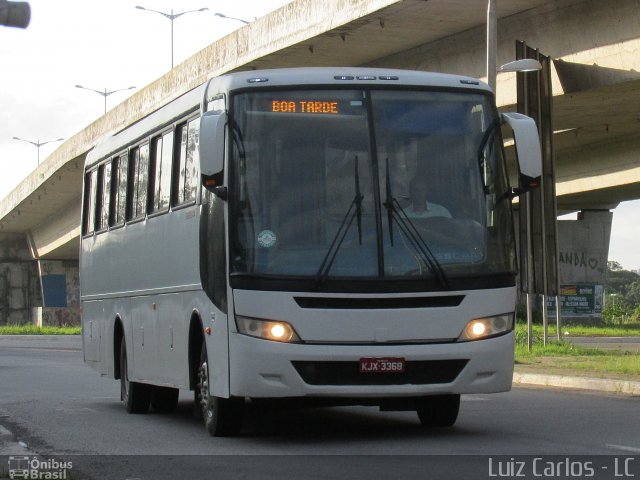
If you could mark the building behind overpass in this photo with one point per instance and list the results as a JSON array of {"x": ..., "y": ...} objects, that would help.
[{"x": 596, "y": 52}]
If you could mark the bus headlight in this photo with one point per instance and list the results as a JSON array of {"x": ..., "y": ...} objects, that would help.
[
  {"x": 480, "y": 328},
  {"x": 267, "y": 329}
]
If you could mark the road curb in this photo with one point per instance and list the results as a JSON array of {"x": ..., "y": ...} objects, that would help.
[
  {"x": 10, "y": 445},
  {"x": 625, "y": 387}
]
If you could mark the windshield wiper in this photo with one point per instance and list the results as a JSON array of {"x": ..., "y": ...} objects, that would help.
[
  {"x": 388, "y": 203},
  {"x": 396, "y": 213},
  {"x": 358, "y": 201},
  {"x": 354, "y": 211}
]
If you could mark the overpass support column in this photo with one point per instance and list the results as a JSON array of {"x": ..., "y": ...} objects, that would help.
[
  {"x": 60, "y": 284},
  {"x": 583, "y": 253},
  {"x": 19, "y": 281}
]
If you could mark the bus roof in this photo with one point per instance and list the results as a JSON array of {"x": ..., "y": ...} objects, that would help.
[
  {"x": 341, "y": 76},
  {"x": 117, "y": 142},
  {"x": 265, "y": 79}
]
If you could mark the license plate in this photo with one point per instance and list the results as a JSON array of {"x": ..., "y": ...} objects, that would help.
[{"x": 382, "y": 365}]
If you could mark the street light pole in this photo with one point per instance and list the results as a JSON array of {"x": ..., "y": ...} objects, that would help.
[
  {"x": 492, "y": 44},
  {"x": 38, "y": 144},
  {"x": 222, "y": 15},
  {"x": 171, "y": 16},
  {"x": 105, "y": 94}
]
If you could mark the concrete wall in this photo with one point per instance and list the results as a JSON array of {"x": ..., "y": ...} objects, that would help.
[
  {"x": 19, "y": 281},
  {"x": 582, "y": 261},
  {"x": 584, "y": 247},
  {"x": 583, "y": 250},
  {"x": 21, "y": 287},
  {"x": 61, "y": 292}
]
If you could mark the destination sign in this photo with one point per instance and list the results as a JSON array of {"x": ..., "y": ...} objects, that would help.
[{"x": 304, "y": 106}]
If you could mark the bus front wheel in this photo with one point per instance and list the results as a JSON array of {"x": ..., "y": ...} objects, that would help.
[
  {"x": 135, "y": 396},
  {"x": 438, "y": 410},
  {"x": 222, "y": 416}
]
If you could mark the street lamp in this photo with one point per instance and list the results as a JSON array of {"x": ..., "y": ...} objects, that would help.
[
  {"x": 222, "y": 15},
  {"x": 38, "y": 144},
  {"x": 171, "y": 16},
  {"x": 104, "y": 93}
]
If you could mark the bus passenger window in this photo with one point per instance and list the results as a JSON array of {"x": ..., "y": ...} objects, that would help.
[
  {"x": 105, "y": 193},
  {"x": 120, "y": 190},
  {"x": 186, "y": 181},
  {"x": 162, "y": 153},
  {"x": 139, "y": 172},
  {"x": 91, "y": 190}
]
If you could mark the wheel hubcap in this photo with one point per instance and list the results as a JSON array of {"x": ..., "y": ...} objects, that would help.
[
  {"x": 203, "y": 386},
  {"x": 125, "y": 380}
]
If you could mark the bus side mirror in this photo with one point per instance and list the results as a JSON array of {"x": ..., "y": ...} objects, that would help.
[
  {"x": 212, "y": 148},
  {"x": 528, "y": 150}
]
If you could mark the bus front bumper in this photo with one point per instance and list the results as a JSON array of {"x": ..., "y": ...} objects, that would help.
[{"x": 267, "y": 369}]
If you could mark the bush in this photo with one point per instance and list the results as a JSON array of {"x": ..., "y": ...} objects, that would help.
[
  {"x": 521, "y": 314},
  {"x": 620, "y": 314}
]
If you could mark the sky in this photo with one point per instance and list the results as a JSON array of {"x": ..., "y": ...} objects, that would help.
[
  {"x": 98, "y": 45},
  {"x": 112, "y": 45}
]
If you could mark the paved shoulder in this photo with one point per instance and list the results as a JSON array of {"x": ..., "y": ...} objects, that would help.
[
  {"x": 608, "y": 385},
  {"x": 47, "y": 342},
  {"x": 631, "y": 344}
]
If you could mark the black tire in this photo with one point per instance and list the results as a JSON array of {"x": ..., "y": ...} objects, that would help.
[
  {"x": 164, "y": 399},
  {"x": 438, "y": 410},
  {"x": 222, "y": 417},
  {"x": 135, "y": 396}
]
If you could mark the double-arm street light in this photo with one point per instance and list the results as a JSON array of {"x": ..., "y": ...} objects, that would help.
[
  {"x": 222, "y": 15},
  {"x": 171, "y": 16},
  {"x": 104, "y": 93},
  {"x": 38, "y": 144}
]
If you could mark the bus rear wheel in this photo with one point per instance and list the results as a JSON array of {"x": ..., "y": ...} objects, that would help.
[
  {"x": 135, "y": 396},
  {"x": 222, "y": 416},
  {"x": 438, "y": 410}
]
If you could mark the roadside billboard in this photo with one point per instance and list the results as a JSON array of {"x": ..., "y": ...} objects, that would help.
[{"x": 578, "y": 300}]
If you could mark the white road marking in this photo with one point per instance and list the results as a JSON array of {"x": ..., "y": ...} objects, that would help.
[{"x": 624, "y": 448}]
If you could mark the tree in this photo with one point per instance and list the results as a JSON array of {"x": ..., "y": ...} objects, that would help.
[
  {"x": 613, "y": 266},
  {"x": 624, "y": 283},
  {"x": 633, "y": 293}
]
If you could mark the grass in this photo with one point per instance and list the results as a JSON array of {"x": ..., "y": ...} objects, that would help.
[
  {"x": 568, "y": 359},
  {"x": 579, "y": 330},
  {"x": 603, "y": 364},
  {"x": 33, "y": 330}
]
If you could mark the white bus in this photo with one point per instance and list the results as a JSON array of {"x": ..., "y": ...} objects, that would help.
[{"x": 322, "y": 234}]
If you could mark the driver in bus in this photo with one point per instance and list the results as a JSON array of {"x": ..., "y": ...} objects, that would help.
[{"x": 420, "y": 207}]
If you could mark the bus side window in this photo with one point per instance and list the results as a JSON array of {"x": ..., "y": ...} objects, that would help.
[
  {"x": 140, "y": 178},
  {"x": 120, "y": 190},
  {"x": 187, "y": 159},
  {"x": 104, "y": 201},
  {"x": 91, "y": 187},
  {"x": 161, "y": 172}
]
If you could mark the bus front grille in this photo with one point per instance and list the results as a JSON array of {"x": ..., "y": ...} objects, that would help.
[{"x": 348, "y": 373}]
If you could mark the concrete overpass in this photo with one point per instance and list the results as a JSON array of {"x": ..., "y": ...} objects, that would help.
[{"x": 595, "y": 46}]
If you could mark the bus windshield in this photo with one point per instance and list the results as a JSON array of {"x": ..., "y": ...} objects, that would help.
[{"x": 360, "y": 185}]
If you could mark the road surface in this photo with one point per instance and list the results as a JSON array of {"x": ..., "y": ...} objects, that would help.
[{"x": 60, "y": 408}]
